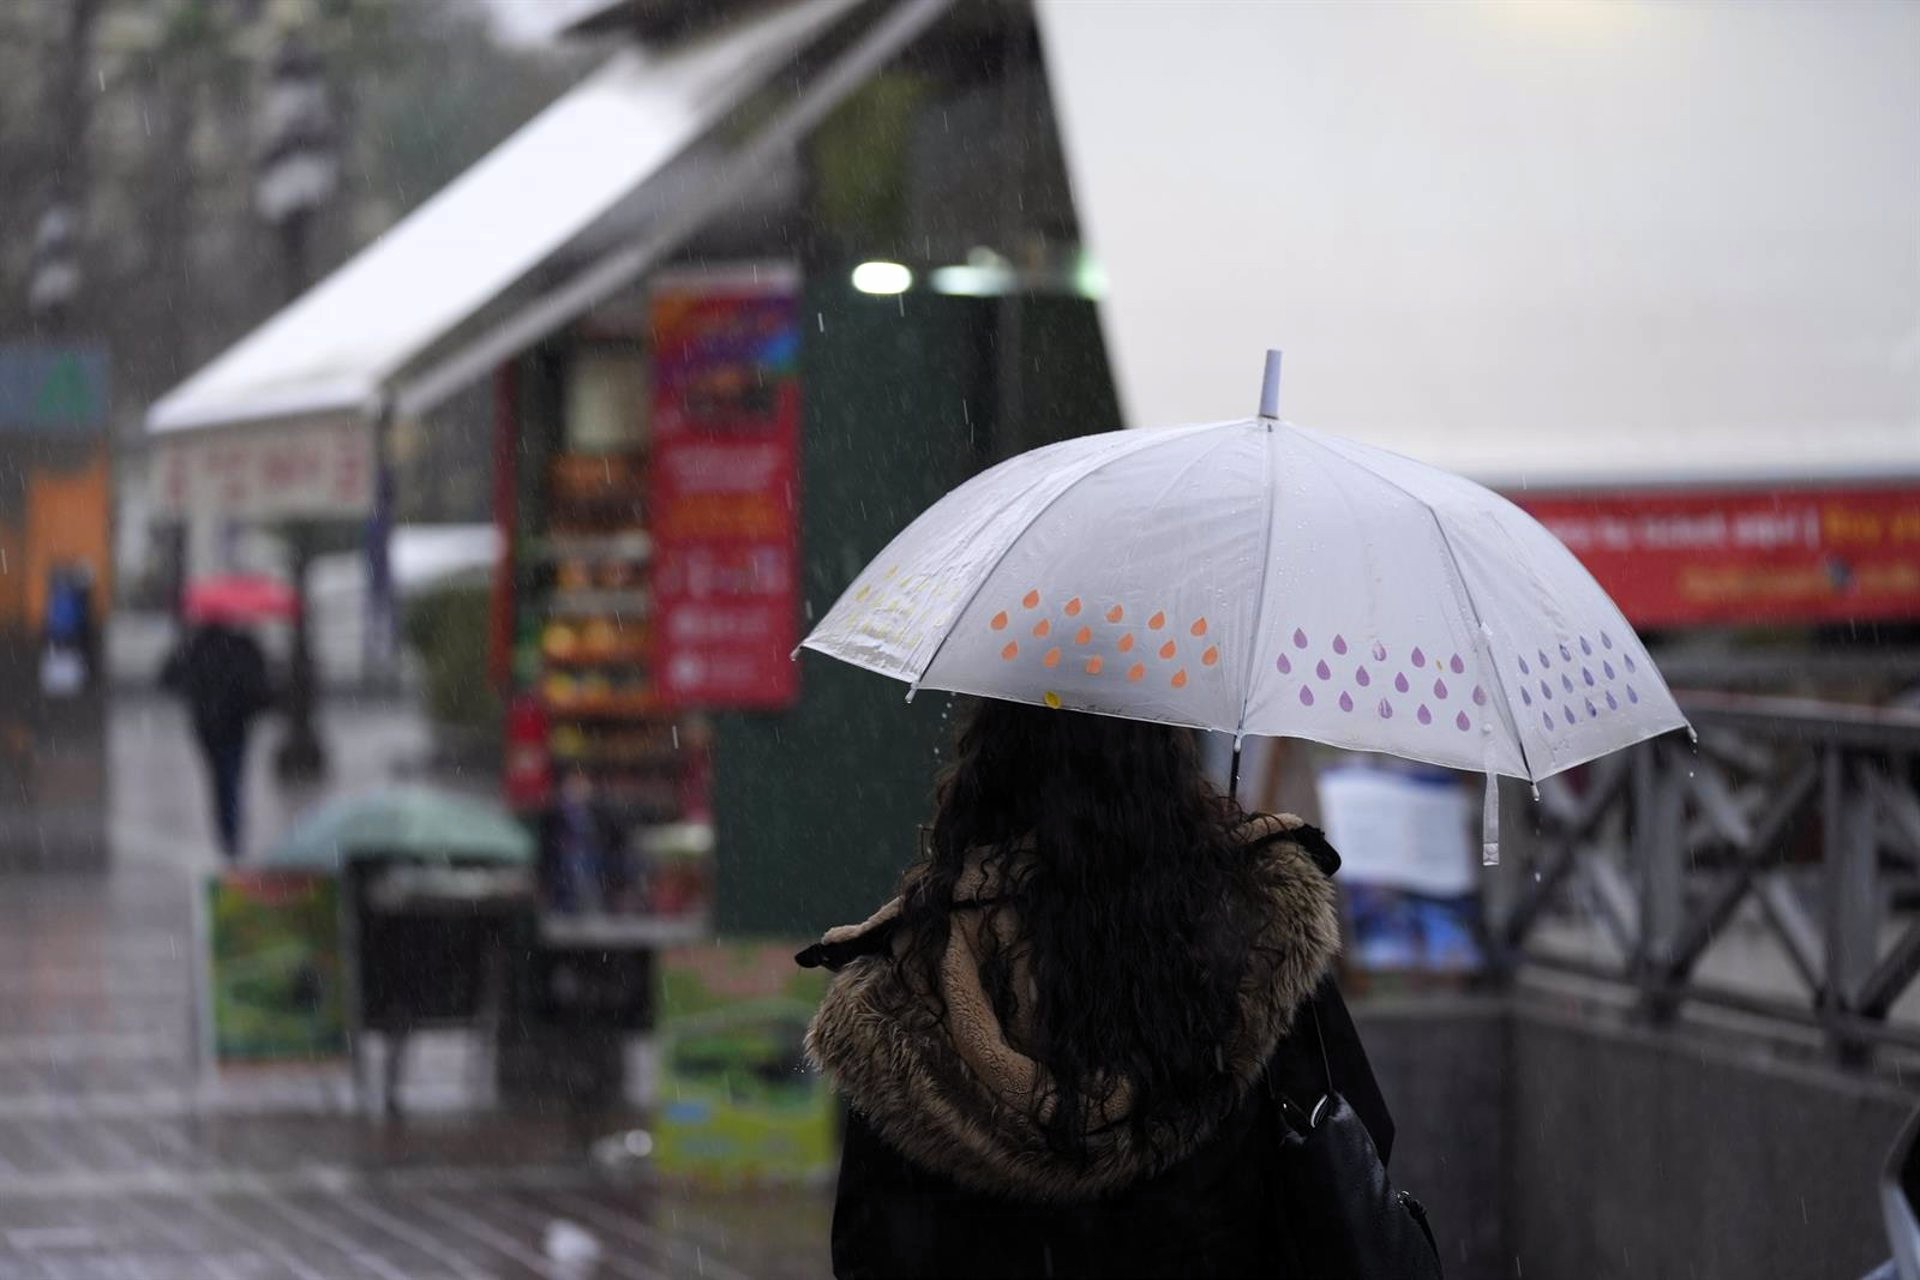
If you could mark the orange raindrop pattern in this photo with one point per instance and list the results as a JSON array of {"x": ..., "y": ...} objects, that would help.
[{"x": 1114, "y": 639}]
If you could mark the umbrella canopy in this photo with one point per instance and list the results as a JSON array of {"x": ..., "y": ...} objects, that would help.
[
  {"x": 238, "y": 597},
  {"x": 416, "y": 822},
  {"x": 1260, "y": 578}
]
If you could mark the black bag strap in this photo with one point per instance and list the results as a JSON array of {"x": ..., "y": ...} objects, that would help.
[{"x": 1320, "y": 1038}]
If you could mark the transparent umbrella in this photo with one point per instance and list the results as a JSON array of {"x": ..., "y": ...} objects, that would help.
[
  {"x": 1256, "y": 577},
  {"x": 416, "y": 822}
]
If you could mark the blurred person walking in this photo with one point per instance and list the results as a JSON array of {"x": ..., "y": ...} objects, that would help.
[
  {"x": 221, "y": 673},
  {"x": 1096, "y": 1032}
]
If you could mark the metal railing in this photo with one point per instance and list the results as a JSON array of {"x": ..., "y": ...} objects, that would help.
[{"x": 1801, "y": 816}]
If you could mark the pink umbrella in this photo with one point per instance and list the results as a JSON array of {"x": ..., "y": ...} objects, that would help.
[{"x": 239, "y": 597}]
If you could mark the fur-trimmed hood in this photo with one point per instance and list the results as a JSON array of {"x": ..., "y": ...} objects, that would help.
[{"x": 949, "y": 1087}]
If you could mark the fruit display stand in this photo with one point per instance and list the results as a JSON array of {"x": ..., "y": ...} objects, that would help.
[{"x": 634, "y": 877}]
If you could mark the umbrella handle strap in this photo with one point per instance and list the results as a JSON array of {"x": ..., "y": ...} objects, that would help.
[{"x": 1490, "y": 822}]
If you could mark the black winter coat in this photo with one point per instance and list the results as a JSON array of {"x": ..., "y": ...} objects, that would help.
[
  {"x": 936, "y": 1179},
  {"x": 1212, "y": 1215},
  {"x": 222, "y": 674}
]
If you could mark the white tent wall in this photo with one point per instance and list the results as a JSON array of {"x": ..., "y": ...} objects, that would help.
[{"x": 1544, "y": 245}]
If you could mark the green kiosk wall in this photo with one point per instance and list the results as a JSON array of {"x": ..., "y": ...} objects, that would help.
[{"x": 818, "y": 807}]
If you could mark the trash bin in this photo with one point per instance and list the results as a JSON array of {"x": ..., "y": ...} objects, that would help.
[{"x": 430, "y": 939}]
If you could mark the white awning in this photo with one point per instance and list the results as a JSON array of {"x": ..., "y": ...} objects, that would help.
[
  {"x": 356, "y": 337},
  {"x": 1596, "y": 241}
]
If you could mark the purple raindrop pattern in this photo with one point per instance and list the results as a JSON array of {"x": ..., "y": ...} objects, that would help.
[{"x": 1601, "y": 687}]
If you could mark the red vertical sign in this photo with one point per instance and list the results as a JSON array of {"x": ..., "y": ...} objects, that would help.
[{"x": 724, "y": 512}]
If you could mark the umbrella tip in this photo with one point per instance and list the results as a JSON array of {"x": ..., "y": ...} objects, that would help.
[{"x": 1270, "y": 386}]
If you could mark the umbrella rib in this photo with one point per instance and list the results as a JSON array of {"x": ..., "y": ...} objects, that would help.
[
  {"x": 1260, "y": 599},
  {"x": 1116, "y": 456},
  {"x": 1494, "y": 678}
]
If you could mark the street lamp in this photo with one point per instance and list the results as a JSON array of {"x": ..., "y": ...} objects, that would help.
[{"x": 299, "y": 168}]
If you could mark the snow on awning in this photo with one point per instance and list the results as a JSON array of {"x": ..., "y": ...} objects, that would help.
[
  {"x": 353, "y": 340},
  {"x": 1558, "y": 245}
]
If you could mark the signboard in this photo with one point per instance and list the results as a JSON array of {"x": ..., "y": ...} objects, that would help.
[
  {"x": 1408, "y": 874},
  {"x": 53, "y": 389},
  {"x": 321, "y": 468},
  {"x": 738, "y": 1103},
  {"x": 723, "y": 484},
  {"x": 274, "y": 989},
  {"x": 1683, "y": 558}
]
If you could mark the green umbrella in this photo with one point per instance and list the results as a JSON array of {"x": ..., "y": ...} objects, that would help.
[{"x": 409, "y": 822}]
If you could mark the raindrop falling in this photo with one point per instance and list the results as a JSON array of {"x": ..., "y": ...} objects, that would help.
[
  {"x": 1419, "y": 658},
  {"x": 1525, "y": 670},
  {"x": 1456, "y": 664},
  {"x": 1423, "y": 715},
  {"x": 1566, "y": 682},
  {"x": 1440, "y": 689},
  {"x": 1400, "y": 682},
  {"x": 1546, "y": 721},
  {"x": 1526, "y": 697},
  {"x": 1566, "y": 654},
  {"x": 1632, "y": 696},
  {"x": 1461, "y": 722},
  {"x": 1608, "y": 668},
  {"x": 1299, "y": 638},
  {"x": 1606, "y": 640},
  {"x": 1323, "y": 670},
  {"x": 1362, "y": 678},
  {"x": 1587, "y": 675},
  {"x": 1566, "y": 713},
  {"x": 1613, "y": 703},
  {"x": 1346, "y": 701},
  {"x": 1306, "y": 695},
  {"x": 1541, "y": 654},
  {"x": 1379, "y": 652},
  {"x": 1628, "y": 659},
  {"x": 1340, "y": 644},
  {"x": 1479, "y": 696},
  {"x": 1546, "y": 690},
  {"x": 1386, "y": 709},
  {"x": 1592, "y": 711}
]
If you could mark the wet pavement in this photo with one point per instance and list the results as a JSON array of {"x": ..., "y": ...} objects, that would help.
[{"x": 117, "y": 1160}]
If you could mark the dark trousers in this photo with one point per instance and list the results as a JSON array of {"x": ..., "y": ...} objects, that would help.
[{"x": 226, "y": 756}]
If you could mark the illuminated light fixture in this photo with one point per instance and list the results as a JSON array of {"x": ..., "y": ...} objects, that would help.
[
  {"x": 971, "y": 281},
  {"x": 1089, "y": 278},
  {"x": 882, "y": 277}
]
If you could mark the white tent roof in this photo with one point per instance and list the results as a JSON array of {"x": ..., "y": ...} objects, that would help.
[
  {"x": 351, "y": 339},
  {"x": 1595, "y": 241}
]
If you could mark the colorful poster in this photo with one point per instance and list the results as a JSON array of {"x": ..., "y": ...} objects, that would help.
[
  {"x": 724, "y": 509},
  {"x": 275, "y": 988},
  {"x": 1684, "y": 558},
  {"x": 738, "y": 1104}
]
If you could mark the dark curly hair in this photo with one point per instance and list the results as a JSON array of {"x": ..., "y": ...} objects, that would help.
[{"x": 1136, "y": 908}]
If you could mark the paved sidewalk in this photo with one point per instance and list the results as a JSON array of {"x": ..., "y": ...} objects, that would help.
[{"x": 112, "y": 1166}]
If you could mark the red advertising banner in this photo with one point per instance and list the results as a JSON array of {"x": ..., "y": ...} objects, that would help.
[
  {"x": 1794, "y": 556},
  {"x": 724, "y": 510}
]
